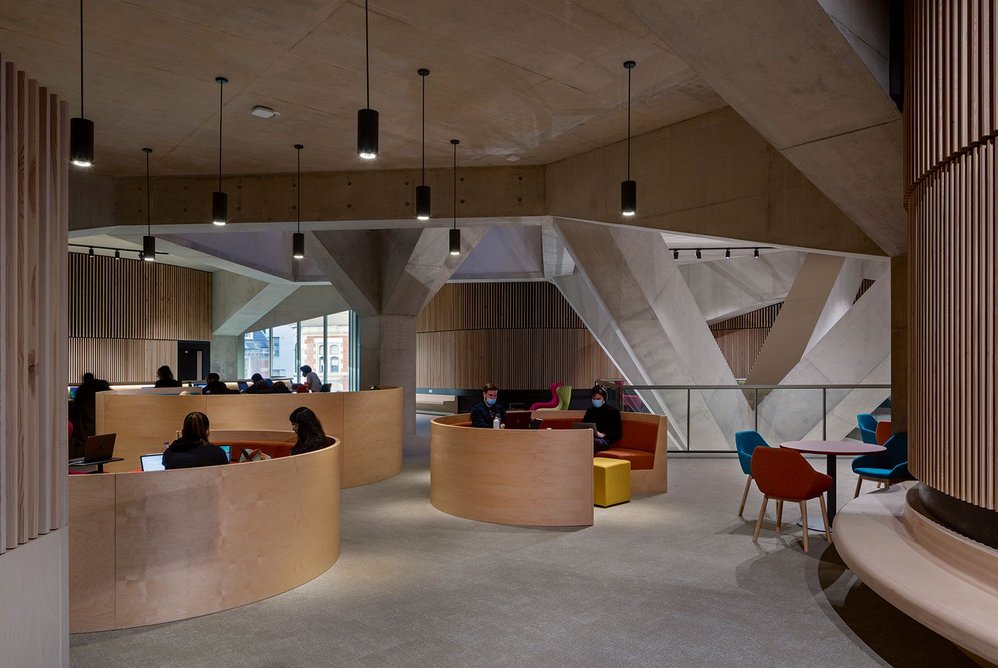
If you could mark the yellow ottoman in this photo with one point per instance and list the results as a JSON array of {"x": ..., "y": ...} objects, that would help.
[{"x": 611, "y": 481}]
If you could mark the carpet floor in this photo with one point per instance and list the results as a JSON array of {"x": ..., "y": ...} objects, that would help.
[{"x": 667, "y": 580}]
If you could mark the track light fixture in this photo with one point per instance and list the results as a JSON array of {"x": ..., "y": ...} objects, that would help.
[
  {"x": 81, "y": 130},
  {"x": 628, "y": 188},
  {"x": 756, "y": 254},
  {"x": 455, "y": 234},
  {"x": 220, "y": 200},
  {"x": 117, "y": 255},
  {"x": 90, "y": 252},
  {"x": 367, "y": 118},
  {"x": 699, "y": 254},
  {"x": 675, "y": 255},
  {"x": 148, "y": 241},
  {"x": 298, "y": 239},
  {"x": 423, "y": 190}
]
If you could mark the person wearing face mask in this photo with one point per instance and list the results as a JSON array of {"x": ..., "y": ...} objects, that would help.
[
  {"x": 484, "y": 413},
  {"x": 606, "y": 418}
]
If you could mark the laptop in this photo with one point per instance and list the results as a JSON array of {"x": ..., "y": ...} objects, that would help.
[
  {"x": 517, "y": 419},
  {"x": 241, "y": 384},
  {"x": 99, "y": 448},
  {"x": 152, "y": 462},
  {"x": 584, "y": 425}
]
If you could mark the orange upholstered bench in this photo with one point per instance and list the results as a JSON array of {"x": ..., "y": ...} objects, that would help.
[{"x": 271, "y": 448}]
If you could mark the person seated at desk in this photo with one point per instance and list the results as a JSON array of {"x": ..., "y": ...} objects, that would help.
[
  {"x": 280, "y": 388},
  {"x": 485, "y": 412},
  {"x": 85, "y": 401},
  {"x": 312, "y": 380},
  {"x": 305, "y": 423},
  {"x": 606, "y": 418},
  {"x": 193, "y": 447},
  {"x": 164, "y": 378},
  {"x": 215, "y": 385},
  {"x": 259, "y": 385}
]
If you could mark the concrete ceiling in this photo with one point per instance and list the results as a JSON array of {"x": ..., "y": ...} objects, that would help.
[{"x": 540, "y": 79}]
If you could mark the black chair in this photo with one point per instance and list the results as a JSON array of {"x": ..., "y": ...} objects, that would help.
[{"x": 325, "y": 387}]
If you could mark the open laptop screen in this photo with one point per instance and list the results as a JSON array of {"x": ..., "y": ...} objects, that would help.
[{"x": 152, "y": 462}]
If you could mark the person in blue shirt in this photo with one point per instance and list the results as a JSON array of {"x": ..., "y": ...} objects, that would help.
[{"x": 484, "y": 413}]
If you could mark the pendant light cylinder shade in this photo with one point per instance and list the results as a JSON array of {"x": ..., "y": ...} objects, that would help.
[
  {"x": 422, "y": 202},
  {"x": 149, "y": 248},
  {"x": 455, "y": 241},
  {"x": 628, "y": 198},
  {"x": 298, "y": 245},
  {"x": 219, "y": 208},
  {"x": 367, "y": 133},
  {"x": 81, "y": 142}
]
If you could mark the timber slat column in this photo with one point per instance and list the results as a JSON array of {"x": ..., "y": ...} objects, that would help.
[{"x": 950, "y": 124}]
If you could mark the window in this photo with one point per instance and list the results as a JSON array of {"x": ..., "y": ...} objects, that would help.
[
  {"x": 256, "y": 352},
  {"x": 334, "y": 364},
  {"x": 279, "y": 352}
]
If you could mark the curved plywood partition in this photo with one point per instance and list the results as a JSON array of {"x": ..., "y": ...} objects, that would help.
[
  {"x": 160, "y": 546},
  {"x": 509, "y": 476},
  {"x": 367, "y": 423}
]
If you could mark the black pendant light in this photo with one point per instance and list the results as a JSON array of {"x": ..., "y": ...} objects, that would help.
[
  {"x": 423, "y": 190},
  {"x": 628, "y": 188},
  {"x": 455, "y": 234},
  {"x": 219, "y": 200},
  {"x": 298, "y": 239},
  {"x": 367, "y": 118},
  {"x": 81, "y": 130},
  {"x": 148, "y": 241}
]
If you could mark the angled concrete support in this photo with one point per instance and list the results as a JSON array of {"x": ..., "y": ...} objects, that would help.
[{"x": 238, "y": 301}]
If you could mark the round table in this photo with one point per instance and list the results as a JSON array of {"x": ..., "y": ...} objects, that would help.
[{"x": 831, "y": 450}]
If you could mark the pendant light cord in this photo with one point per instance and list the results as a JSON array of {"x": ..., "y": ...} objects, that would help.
[
  {"x": 367, "y": 54},
  {"x": 423, "y": 132},
  {"x": 629, "y": 123},
  {"x": 221, "y": 89},
  {"x": 454, "y": 142},
  {"x": 298, "y": 189},
  {"x": 81, "y": 59},
  {"x": 148, "y": 198}
]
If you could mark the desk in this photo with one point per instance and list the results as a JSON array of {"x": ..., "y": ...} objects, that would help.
[
  {"x": 831, "y": 450},
  {"x": 98, "y": 464}
]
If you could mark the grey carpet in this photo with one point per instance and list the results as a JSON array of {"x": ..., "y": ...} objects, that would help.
[{"x": 669, "y": 580}]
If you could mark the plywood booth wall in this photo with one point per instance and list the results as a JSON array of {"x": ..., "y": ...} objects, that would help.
[
  {"x": 126, "y": 316},
  {"x": 521, "y": 335}
]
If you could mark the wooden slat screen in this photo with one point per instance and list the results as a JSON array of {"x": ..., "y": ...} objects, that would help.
[
  {"x": 126, "y": 316},
  {"x": 742, "y": 337},
  {"x": 950, "y": 123},
  {"x": 517, "y": 335},
  {"x": 34, "y": 197}
]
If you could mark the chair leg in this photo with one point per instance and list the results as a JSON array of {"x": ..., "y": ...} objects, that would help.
[
  {"x": 859, "y": 483},
  {"x": 741, "y": 508},
  {"x": 779, "y": 515},
  {"x": 824, "y": 518},
  {"x": 758, "y": 522},
  {"x": 803, "y": 519}
]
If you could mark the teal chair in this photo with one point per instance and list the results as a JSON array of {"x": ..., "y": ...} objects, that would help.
[
  {"x": 745, "y": 443},
  {"x": 867, "y": 428},
  {"x": 887, "y": 467}
]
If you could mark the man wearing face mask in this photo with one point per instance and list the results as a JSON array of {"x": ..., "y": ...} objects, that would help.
[
  {"x": 485, "y": 412},
  {"x": 606, "y": 418}
]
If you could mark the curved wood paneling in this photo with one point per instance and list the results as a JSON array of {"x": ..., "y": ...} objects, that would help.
[
  {"x": 190, "y": 542},
  {"x": 34, "y": 198},
  {"x": 516, "y": 476},
  {"x": 368, "y": 423},
  {"x": 950, "y": 125}
]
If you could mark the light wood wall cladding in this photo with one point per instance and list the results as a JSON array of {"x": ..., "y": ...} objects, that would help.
[
  {"x": 742, "y": 337},
  {"x": 368, "y": 423},
  {"x": 521, "y": 335},
  {"x": 34, "y": 198},
  {"x": 511, "y": 476},
  {"x": 949, "y": 160},
  {"x": 155, "y": 547},
  {"x": 120, "y": 360}
]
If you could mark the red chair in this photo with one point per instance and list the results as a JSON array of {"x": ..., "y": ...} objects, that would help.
[
  {"x": 552, "y": 402},
  {"x": 784, "y": 475},
  {"x": 884, "y": 432}
]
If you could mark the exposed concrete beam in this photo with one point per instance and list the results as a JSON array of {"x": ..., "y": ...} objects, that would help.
[
  {"x": 711, "y": 175},
  {"x": 351, "y": 260},
  {"x": 308, "y": 301},
  {"x": 239, "y": 301},
  {"x": 788, "y": 70}
]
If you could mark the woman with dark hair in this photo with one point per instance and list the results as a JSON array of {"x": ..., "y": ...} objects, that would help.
[
  {"x": 164, "y": 377},
  {"x": 310, "y": 434},
  {"x": 193, "y": 448}
]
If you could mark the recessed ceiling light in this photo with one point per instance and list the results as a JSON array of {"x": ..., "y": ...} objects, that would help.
[
  {"x": 513, "y": 157},
  {"x": 264, "y": 112}
]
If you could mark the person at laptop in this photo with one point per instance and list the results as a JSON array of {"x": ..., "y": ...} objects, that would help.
[
  {"x": 215, "y": 385},
  {"x": 259, "y": 385},
  {"x": 606, "y": 418},
  {"x": 193, "y": 447},
  {"x": 305, "y": 423},
  {"x": 164, "y": 377},
  {"x": 86, "y": 402},
  {"x": 485, "y": 412},
  {"x": 312, "y": 380}
]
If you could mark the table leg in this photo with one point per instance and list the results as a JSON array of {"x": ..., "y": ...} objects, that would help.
[{"x": 832, "y": 506}]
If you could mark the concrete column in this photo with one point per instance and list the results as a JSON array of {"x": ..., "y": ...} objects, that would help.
[{"x": 227, "y": 356}]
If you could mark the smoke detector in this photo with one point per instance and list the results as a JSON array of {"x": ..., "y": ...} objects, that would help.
[{"x": 264, "y": 112}]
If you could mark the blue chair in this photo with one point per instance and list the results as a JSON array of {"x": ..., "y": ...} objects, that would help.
[
  {"x": 886, "y": 467},
  {"x": 745, "y": 443},
  {"x": 867, "y": 428}
]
